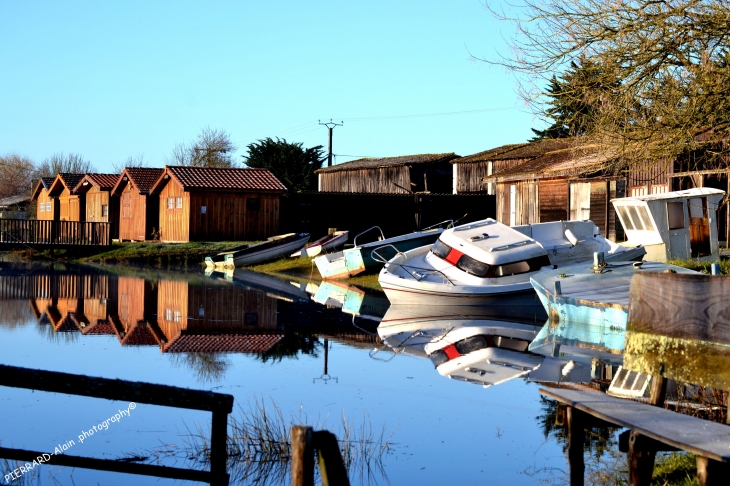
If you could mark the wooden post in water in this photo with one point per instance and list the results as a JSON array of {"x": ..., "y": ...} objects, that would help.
[
  {"x": 641, "y": 460},
  {"x": 576, "y": 433},
  {"x": 302, "y": 456}
]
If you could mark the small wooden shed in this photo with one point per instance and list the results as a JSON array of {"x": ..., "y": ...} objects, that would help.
[
  {"x": 217, "y": 204},
  {"x": 70, "y": 203},
  {"x": 100, "y": 205},
  {"x": 390, "y": 175},
  {"x": 139, "y": 215},
  {"x": 46, "y": 207},
  {"x": 569, "y": 183}
]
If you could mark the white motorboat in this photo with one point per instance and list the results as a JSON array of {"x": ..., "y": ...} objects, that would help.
[{"x": 479, "y": 263}]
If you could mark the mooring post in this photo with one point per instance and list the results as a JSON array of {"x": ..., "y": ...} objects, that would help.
[
  {"x": 641, "y": 460},
  {"x": 576, "y": 433},
  {"x": 219, "y": 446},
  {"x": 711, "y": 473},
  {"x": 302, "y": 456},
  {"x": 331, "y": 466},
  {"x": 715, "y": 269}
]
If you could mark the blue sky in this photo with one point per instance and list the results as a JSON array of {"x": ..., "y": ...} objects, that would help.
[{"x": 113, "y": 80}]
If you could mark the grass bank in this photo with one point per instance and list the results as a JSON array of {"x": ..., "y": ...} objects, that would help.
[
  {"x": 304, "y": 269},
  {"x": 703, "y": 267}
]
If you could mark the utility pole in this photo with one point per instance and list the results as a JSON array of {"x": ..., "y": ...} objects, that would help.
[{"x": 330, "y": 125}]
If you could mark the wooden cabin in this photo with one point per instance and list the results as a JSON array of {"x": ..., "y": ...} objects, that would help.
[
  {"x": 391, "y": 175},
  {"x": 46, "y": 207},
  {"x": 470, "y": 171},
  {"x": 100, "y": 205},
  {"x": 139, "y": 215},
  {"x": 217, "y": 204},
  {"x": 215, "y": 318},
  {"x": 69, "y": 202},
  {"x": 15, "y": 207},
  {"x": 567, "y": 183}
]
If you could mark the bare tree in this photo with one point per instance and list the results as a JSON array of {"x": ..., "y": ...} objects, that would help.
[
  {"x": 16, "y": 175},
  {"x": 213, "y": 148},
  {"x": 57, "y": 163},
  {"x": 132, "y": 161},
  {"x": 670, "y": 58}
]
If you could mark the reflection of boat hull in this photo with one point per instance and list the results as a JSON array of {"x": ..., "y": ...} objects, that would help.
[
  {"x": 353, "y": 261},
  {"x": 274, "y": 247}
]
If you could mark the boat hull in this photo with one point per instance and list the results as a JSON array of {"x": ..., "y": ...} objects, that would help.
[
  {"x": 274, "y": 247},
  {"x": 352, "y": 261}
]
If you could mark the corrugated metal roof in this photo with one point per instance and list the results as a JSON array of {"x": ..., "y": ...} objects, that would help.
[
  {"x": 222, "y": 343},
  {"x": 13, "y": 200},
  {"x": 390, "y": 162},
  {"x": 224, "y": 179}
]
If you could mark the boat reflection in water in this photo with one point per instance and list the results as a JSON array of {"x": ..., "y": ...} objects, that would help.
[
  {"x": 352, "y": 300},
  {"x": 476, "y": 345}
]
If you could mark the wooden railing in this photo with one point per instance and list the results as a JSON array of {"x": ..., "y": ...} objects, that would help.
[{"x": 46, "y": 232}]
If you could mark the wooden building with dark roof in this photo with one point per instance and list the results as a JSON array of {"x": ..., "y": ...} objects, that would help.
[
  {"x": 69, "y": 202},
  {"x": 570, "y": 182},
  {"x": 46, "y": 207},
  {"x": 390, "y": 175},
  {"x": 100, "y": 205},
  {"x": 470, "y": 170},
  {"x": 215, "y": 204},
  {"x": 139, "y": 211}
]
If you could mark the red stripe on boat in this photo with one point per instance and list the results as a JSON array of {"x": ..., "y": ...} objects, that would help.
[
  {"x": 451, "y": 351},
  {"x": 453, "y": 256}
]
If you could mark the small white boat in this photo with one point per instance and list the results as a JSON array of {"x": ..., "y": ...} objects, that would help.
[
  {"x": 479, "y": 263},
  {"x": 350, "y": 262},
  {"x": 329, "y": 242},
  {"x": 272, "y": 248}
]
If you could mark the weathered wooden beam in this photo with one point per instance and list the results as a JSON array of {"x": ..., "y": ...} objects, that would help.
[
  {"x": 712, "y": 473},
  {"x": 681, "y": 306},
  {"x": 651, "y": 444},
  {"x": 168, "y": 396},
  {"x": 641, "y": 457},
  {"x": 331, "y": 466},
  {"x": 658, "y": 391},
  {"x": 302, "y": 456},
  {"x": 576, "y": 437}
]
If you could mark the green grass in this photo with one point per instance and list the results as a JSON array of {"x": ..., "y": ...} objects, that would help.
[
  {"x": 304, "y": 269},
  {"x": 676, "y": 469},
  {"x": 703, "y": 267},
  {"x": 157, "y": 254}
]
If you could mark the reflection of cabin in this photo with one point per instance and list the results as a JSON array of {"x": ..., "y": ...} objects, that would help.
[
  {"x": 390, "y": 175},
  {"x": 562, "y": 183},
  {"x": 139, "y": 214},
  {"x": 215, "y": 318},
  {"x": 70, "y": 203},
  {"x": 46, "y": 207},
  {"x": 101, "y": 206},
  {"x": 214, "y": 204},
  {"x": 673, "y": 225},
  {"x": 136, "y": 318}
]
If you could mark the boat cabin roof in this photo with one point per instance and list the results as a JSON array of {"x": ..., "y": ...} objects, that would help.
[
  {"x": 688, "y": 193},
  {"x": 492, "y": 242}
]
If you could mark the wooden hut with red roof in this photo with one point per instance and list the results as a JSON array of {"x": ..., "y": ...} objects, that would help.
[
  {"x": 216, "y": 204},
  {"x": 100, "y": 205},
  {"x": 46, "y": 209},
  {"x": 139, "y": 215},
  {"x": 70, "y": 203}
]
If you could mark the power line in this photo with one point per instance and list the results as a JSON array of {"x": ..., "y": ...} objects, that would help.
[{"x": 423, "y": 115}]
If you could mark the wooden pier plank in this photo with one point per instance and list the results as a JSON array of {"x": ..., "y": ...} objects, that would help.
[{"x": 691, "y": 434}]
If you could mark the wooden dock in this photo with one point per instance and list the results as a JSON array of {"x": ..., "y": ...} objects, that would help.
[{"x": 36, "y": 234}]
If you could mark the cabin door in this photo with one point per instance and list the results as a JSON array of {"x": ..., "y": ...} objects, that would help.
[
  {"x": 699, "y": 228},
  {"x": 580, "y": 201},
  {"x": 677, "y": 230}
]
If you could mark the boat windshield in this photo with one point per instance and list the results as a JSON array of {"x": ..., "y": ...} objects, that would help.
[
  {"x": 472, "y": 266},
  {"x": 440, "y": 249}
]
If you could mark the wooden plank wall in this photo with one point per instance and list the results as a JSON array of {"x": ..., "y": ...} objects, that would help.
[
  {"x": 381, "y": 180},
  {"x": 172, "y": 307},
  {"x": 469, "y": 176},
  {"x": 44, "y": 198},
  {"x": 131, "y": 301},
  {"x": 229, "y": 216},
  {"x": 175, "y": 222},
  {"x": 95, "y": 199},
  {"x": 648, "y": 174},
  {"x": 553, "y": 200},
  {"x": 526, "y": 203},
  {"x": 139, "y": 213}
]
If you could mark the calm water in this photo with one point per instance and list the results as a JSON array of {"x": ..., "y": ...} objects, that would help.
[{"x": 263, "y": 339}]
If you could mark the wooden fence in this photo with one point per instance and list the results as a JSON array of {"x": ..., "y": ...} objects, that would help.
[
  {"x": 396, "y": 214},
  {"x": 45, "y": 232}
]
